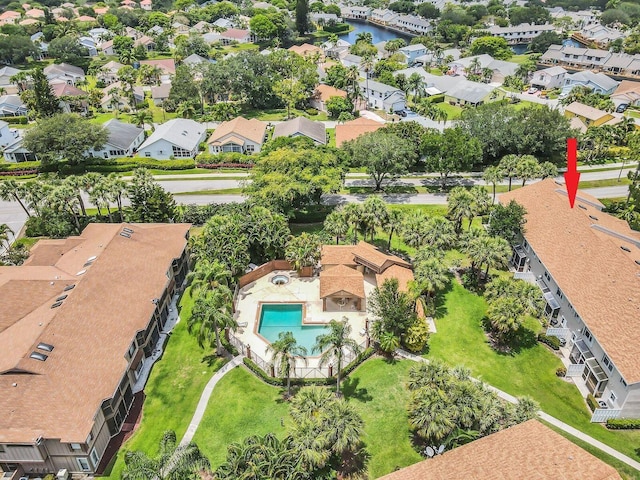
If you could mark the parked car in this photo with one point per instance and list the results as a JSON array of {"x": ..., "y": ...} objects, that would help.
[
  {"x": 402, "y": 113},
  {"x": 622, "y": 107},
  {"x": 532, "y": 90}
]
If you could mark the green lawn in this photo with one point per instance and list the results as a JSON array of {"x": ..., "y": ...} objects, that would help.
[
  {"x": 453, "y": 112},
  {"x": 172, "y": 392},
  {"x": 242, "y": 405},
  {"x": 531, "y": 371}
]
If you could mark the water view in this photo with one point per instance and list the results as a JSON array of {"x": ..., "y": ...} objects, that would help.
[{"x": 379, "y": 34}]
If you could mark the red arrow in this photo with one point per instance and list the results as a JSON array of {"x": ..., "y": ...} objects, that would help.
[{"x": 571, "y": 176}]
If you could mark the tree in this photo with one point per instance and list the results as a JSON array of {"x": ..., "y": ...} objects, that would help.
[
  {"x": 505, "y": 316},
  {"x": 67, "y": 49},
  {"x": 542, "y": 42},
  {"x": 527, "y": 168},
  {"x": 263, "y": 27},
  {"x": 497, "y": 47},
  {"x": 290, "y": 91},
  {"x": 487, "y": 251},
  {"x": 493, "y": 175},
  {"x": 452, "y": 151},
  {"x": 172, "y": 461},
  {"x": 460, "y": 206},
  {"x": 337, "y": 105},
  {"x": 431, "y": 274},
  {"x": 284, "y": 353},
  {"x": 507, "y": 221},
  {"x": 142, "y": 117},
  {"x": 303, "y": 251},
  {"x": 373, "y": 215},
  {"x": 384, "y": 155},
  {"x": 393, "y": 224},
  {"x": 394, "y": 309},
  {"x": 16, "y": 48},
  {"x": 183, "y": 87},
  {"x": 10, "y": 191},
  {"x": 302, "y": 16},
  {"x": 334, "y": 344},
  {"x": 212, "y": 311},
  {"x": 439, "y": 233},
  {"x": 150, "y": 203},
  {"x": 5, "y": 231},
  {"x": 413, "y": 228},
  {"x": 336, "y": 225},
  {"x": 43, "y": 102},
  {"x": 509, "y": 167},
  {"x": 64, "y": 136},
  {"x": 428, "y": 10}
]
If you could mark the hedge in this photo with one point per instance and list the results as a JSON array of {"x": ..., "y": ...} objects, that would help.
[
  {"x": 213, "y": 166},
  {"x": 437, "y": 98},
  {"x": 623, "y": 423},
  {"x": 11, "y": 167},
  {"x": 336, "y": 28},
  {"x": 224, "y": 158},
  {"x": 130, "y": 163},
  {"x": 18, "y": 120},
  {"x": 553, "y": 342},
  {"x": 592, "y": 402}
]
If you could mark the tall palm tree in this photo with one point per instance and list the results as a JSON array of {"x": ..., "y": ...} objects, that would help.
[
  {"x": 416, "y": 84},
  {"x": 208, "y": 275},
  {"x": 303, "y": 251},
  {"x": 353, "y": 214},
  {"x": 505, "y": 316},
  {"x": 10, "y": 190},
  {"x": 413, "y": 228},
  {"x": 367, "y": 65},
  {"x": 460, "y": 204},
  {"x": 285, "y": 352},
  {"x": 126, "y": 57},
  {"x": 117, "y": 190},
  {"x": 393, "y": 224},
  {"x": 527, "y": 168},
  {"x": 64, "y": 198},
  {"x": 142, "y": 117},
  {"x": 336, "y": 225},
  {"x": 509, "y": 167},
  {"x": 5, "y": 231},
  {"x": 439, "y": 233},
  {"x": 172, "y": 462},
  {"x": 365, "y": 37},
  {"x": 480, "y": 204},
  {"x": 212, "y": 312},
  {"x": 374, "y": 214},
  {"x": 334, "y": 344},
  {"x": 492, "y": 175},
  {"x": 344, "y": 427}
]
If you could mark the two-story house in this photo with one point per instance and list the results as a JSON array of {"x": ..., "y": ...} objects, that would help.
[
  {"x": 587, "y": 264},
  {"x": 548, "y": 78},
  {"x": 383, "y": 97}
]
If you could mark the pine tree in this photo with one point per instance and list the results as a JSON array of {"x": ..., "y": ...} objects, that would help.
[
  {"x": 302, "y": 16},
  {"x": 45, "y": 103}
]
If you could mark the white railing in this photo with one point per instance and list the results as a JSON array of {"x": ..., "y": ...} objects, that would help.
[
  {"x": 526, "y": 276},
  {"x": 601, "y": 415},
  {"x": 575, "y": 370},
  {"x": 559, "y": 332}
]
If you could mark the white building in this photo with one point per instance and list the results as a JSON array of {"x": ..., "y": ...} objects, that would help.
[
  {"x": 522, "y": 33},
  {"x": 177, "y": 138},
  {"x": 548, "y": 78},
  {"x": 383, "y": 97},
  {"x": 123, "y": 140}
]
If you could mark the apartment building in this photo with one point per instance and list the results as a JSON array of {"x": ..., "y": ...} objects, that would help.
[
  {"x": 522, "y": 33},
  {"x": 80, "y": 325},
  {"x": 587, "y": 264}
]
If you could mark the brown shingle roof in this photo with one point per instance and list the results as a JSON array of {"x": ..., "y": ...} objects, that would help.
[
  {"x": 586, "y": 111},
  {"x": 341, "y": 279},
  {"x": 354, "y": 128},
  {"x": 325, "y": 92},
  {"x": 403, "y": 274},
  {"x": 337, "y": 255},
  {"x": 598, "y": 277},
  {"x": 167, "y": 65},
  {"x": 253, "y": 130},
  {"x": 529, "y": 451},
  {"x": 91, "y": 331},
  {"x": 371, "y": 255},
  {"x": 305, "y": 49},
  {"x": 316, "y": 131}
]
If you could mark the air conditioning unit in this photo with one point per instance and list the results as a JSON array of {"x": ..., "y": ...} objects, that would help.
[{"x": 63, "y": 474}]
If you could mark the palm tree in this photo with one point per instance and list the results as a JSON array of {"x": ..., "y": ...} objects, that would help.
[
  {"x": 10, "y": 190},
  {"x": 334, "y": 344},
  {"x": 5, "y": 231},
  {"x": 285, "y": 352},
  {"x": 460, "y": 204},
  {"x": 431, "y": 414},
  {"x": 173, "y": 461},
  {"x": 505, "y": 316},
  {"x": 509, "y": 167},
  {"x": 493, "y": 175},
  {"x": 344, "y": 427},
  {"x": 393, "y": 224},
  {"x": 303, "y": 251},
  {"x": 126, "y": 57},
  {"x": 117, "y": 190},
  {"x": 211, "y": 312},
  {"x": 492, "y": 252},
  {"x": 64, "y": 198},
  {"x": 353, "y": 215},
  {"x": 548, "y": 169},
  {"x": 367, "y": 65},
  {"x": 527, "y": 168},
  {"x": 186, "y": 110},
  {"x": 416, "y": 84},
  {"x": 352, "y": 77},
  {"x": 413, "y": 228},
  {"x": 481, "y": 202},
  {"x": 365, "y": 37},
  {"x": 439, "y": 233},
  {"x": 336, "y": 225},
  {"x": 142, "y": 117},
  {"x": 208, "y": 275},
  {"x": 374, "y": 214},
  {"x": 431, "y": 273},
  {"x": 388, "y": 342},
  {"x": 20, "y": 80}
]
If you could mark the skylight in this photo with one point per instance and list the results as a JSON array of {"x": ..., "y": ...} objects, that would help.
[
  {"x": 61, "y": 297},
  {"x": 56, "y": 305},
  {"x": 38, "y": 356},
  {"x": 69, "y": 287},
  {"x": 45, "y": 346},
  {"x": 81, "y": 272}
]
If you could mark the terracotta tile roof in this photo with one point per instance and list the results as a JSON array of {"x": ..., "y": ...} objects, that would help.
[
  {"x": 253, "y": 130},
  {"x": 582, "y": 250},
  {"x": 305, "y": 49},
  {"x": 91, "y": 331},
  {"x": 66, "y": 90},
  {"x": 627, "y": 86},
  {"x": 354, "y": 128},
  {"x": 167, "y": 65},
  {"x": 235, "y": 33},
  {"x": 337, "y": 255},
  {"x": 341, "y": 279},
  {"x": 528, "y": 451},
  {"x": 325, "y": 92}
]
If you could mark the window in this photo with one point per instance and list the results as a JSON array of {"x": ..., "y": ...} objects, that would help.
[
  {"x": 90, "y": 437},
  {"x": 547, "y": 276},
  {"x": 613, "y": 397},
  {"x": 559, "y": 293},
  {"x": 1, "y": 448},
  {"x": 251, "y": 148},
  {"x": 607, "y": 363},
  {"x": 525, "y": 244},
  {"x": 75, "y": 447},
  {"x": 587, "y": 335},
  {"x": 132, "y": 349},
  {"x": 83, "y": 463},
  {"x": 147, "y": 154},
  {"x": 623, "y": 382},
  {"x": 139, "y": 368},
  {"x": 94, "y": 458},
  {"x": 180, "y": 152}
]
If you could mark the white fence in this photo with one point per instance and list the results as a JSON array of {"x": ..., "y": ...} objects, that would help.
[
  {"x": 601, "y": 415},
  {"x": 575, "y": 370},
  {"x": 559, "y": 332}
]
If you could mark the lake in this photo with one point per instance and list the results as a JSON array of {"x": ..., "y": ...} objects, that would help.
[{"x": 378, "y": 33}]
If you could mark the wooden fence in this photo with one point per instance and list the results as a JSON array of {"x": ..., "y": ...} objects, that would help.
[{"x": 263, "y": 270}]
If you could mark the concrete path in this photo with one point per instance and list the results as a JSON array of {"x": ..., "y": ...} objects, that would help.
[
  {"x": 547, "y": 418},
  {"x": 204, "y": 399}
]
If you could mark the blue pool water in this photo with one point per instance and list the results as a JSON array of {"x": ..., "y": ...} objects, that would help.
[{"x": 287, "y": 317}]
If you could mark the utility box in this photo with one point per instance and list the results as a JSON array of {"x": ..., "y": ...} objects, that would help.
[{"x": 63, "y": 474}]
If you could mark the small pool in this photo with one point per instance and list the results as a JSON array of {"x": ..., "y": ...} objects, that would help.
[
  {"x": 280, "y": 280},
  {"x": 287, "y": 317}
]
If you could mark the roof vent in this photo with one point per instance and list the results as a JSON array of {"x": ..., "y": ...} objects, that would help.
[
  {"x": 45, "y": 346},
  {"x": 69, "y": 287},
  {"x": 61, "y": 297},
  {"x": 81, "y": 272},
  {"x": 626, "y": 249},
  {"x": 127, "y": 230},
  {"x": 638, "y": 262},
  {"x": 124, "y": 234},
  {"x": 38, "y": 356},
  {"x": 56, "y": 305},
  {"x": 582, "y": 207},
  {"x": 593, "y": 217},
  {"x": 91, "y": 259}
]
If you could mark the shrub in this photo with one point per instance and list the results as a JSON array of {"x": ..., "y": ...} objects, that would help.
[
  {"x": 437, "y": 98},
  {"x": 19, "y": 120},
  {"x": 224, "y": 158},
  {"x": 561, "y": 371},
  {"x": 336, "y": 28},
  {"x": 553, "y": 342},
  {"x": 130, "y": 163},
  {"x": 592, "y": 402},
  {"x": 623, "y": 423},
  {"x": 311, "y": 111},
  {"x": 19, "y": 167}
]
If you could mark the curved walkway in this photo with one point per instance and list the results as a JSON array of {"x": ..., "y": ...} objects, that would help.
[
  {"x": 204, "y": 398},
  {"x": 547, "y": 418}
]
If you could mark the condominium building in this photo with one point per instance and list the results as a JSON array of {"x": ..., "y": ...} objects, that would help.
[{"x": 80, "y": 326}]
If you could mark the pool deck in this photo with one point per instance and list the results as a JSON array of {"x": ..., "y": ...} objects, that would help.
[{"x": 299, "y": 290}]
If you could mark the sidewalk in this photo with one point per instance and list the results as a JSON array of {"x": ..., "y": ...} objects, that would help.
[{"x": 546, "y": 417}]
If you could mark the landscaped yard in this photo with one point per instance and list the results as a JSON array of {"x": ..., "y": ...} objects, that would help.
[
  {"x": 531, "y": 371},
  {"x": 242, "y": 405},
  {"x": 172, "y": 392}
]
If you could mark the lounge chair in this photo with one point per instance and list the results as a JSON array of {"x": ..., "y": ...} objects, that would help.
[{"x": 243, "y": 324}]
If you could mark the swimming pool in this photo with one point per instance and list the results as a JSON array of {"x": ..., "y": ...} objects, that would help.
[{"x": 287, "y": 317}]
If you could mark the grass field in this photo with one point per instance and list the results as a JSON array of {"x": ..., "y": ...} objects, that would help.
[{"x": 172, "y": 392}]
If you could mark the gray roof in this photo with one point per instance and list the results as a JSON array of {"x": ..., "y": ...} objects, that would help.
[
  {"x": 599, "y": 79},
  {"x": 63, "y": 69},
  {"x": 378, "y": 87},
  {"x": 553, "y": 71},
  {"x": 182, "y": 132},
  {"x": 194, "y": 59},
  {"x": 161, "y": 91},
  {"x": 472, "y": 92},
  {"x": 416, "y": 47},
  {"x": 121, "y": 134},
  {"x": 316, "y": 131}
]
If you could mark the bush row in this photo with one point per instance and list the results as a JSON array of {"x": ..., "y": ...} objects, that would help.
[
  {"x": 214, "y": 166},
  {"x": 623, "y": 423},
  {"x": 279, "y": 382},
  {"x": 592, "y": 402},
  {"x": 224, "y": 158},
  {"x": 437, "y": 98},
  {"x": 553, "y": 342},
  {"x": 18, "y": 167},
  {"x": 336, "y": 28},
  {"x": 18, "y": 120},
  {"x": 130, "y": 163}
]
